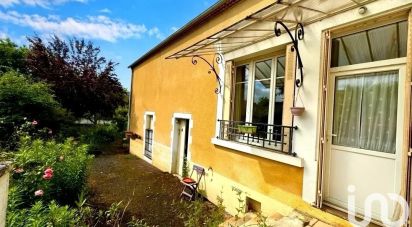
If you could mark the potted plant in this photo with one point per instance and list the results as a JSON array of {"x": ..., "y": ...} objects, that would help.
[
  {"x": 249, "y": 129},
  {"x": 297, "y": 110},
  {"x": 131, "y": 135}
]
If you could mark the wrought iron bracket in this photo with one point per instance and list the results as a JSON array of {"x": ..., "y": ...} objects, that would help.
[
  {"x": 217, "y": 59},
  {"x": 299, "y": 35}
]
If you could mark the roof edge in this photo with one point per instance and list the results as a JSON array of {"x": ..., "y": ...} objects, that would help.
[{"x": 217, "y": 8}]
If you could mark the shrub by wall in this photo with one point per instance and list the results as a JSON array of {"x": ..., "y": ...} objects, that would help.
[{"x": 50, "y": 171}]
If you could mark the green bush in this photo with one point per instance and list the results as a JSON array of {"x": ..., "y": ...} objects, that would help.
[
  {"x": 68, "y": 162},
  {"x": 100, "y": 136},
  {"x": 23, "y": 100},
  {"x": 41, "y": 215},
  {"x": 120, "y": 118}
]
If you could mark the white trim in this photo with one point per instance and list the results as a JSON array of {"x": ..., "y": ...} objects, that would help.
[
  {"x": 153, "y": 114},
  {"x": 360, "y": 68},
  {"x": 189, "y": 138},
  {"x": 221, "y": 96},
  {"x": 274, "y": 156}
]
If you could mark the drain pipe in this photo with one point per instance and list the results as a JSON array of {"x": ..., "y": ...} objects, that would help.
[{"x": 409, "y": 165}]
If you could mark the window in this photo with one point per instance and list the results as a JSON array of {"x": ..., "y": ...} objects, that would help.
[
  {"x": 386, "y": 42},
  {"x": 365, "y": 111},
  {"x": 148, "y": 142},
  {"x": 259, "y": 91}
]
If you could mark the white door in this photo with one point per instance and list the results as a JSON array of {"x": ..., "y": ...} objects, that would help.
[
  {"x": 179, "y": 146},
  {"x": 364, "y": 136}
]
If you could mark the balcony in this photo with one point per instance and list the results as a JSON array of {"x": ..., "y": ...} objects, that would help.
[{"x": 277, "y": 138}]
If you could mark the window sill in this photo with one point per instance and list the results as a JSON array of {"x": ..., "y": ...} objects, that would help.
[{"x": 274, "y": 156}]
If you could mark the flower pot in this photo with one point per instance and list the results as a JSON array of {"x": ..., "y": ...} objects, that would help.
[
  {"x": 297, "y": 111},
  {"x": 131, "y": 135},
  {"x": 248, "y": 129}
]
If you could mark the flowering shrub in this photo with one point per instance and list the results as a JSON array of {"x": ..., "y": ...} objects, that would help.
[
  {"x": 50, "y": 171},
  {"x": 26, "y": 128}
]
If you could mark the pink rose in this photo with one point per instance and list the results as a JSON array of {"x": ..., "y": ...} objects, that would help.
[
  {"x": 34, "y": 122},
  {"x": 39, "y": 193},
  {"x": 48, "y": 174},
  {"x": 19, "y": 170},
  {"x": 48, "y": 171}
]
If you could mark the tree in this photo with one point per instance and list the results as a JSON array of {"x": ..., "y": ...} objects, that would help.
[
  {"x": 12, "y": 57},
  {"x": 22, "y": 100},
  {"x": 83, "y": 81}
]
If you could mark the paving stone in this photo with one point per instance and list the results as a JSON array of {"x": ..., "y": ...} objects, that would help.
[
  {"x": 321, "y": 224},
  {"x": 289, "y": 222},
  {"x": 312, "y": 222}
]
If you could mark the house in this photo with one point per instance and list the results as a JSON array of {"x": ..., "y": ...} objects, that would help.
[{"x": 218, "y": 93}]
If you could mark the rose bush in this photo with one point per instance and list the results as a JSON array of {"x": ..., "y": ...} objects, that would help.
[{"x": 50, "y": 171}]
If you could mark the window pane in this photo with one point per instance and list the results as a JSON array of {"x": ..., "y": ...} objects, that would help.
[
  {"x": 279, "y": 91},
  {"x": 239, "y": 112},
  {"x": 356, "y": 47},
  {"x": 241, "y": 87},
  {"x": 346, "y": 120},
  {"x": 242, "y": 73},
  {"x": 339, "y": 56},
  {"x": 403, "y": 36},
  {"x": 262, "y": 92},
  {"x": 365, "y": 112},
  {"x": 386, "y": 42},
  {"x": 379, "y": 112}
]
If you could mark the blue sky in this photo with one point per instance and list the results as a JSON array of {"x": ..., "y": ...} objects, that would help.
[{"x": 124, "y": 29}]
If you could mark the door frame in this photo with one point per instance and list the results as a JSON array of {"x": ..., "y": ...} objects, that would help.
[
  {"x": 398, "y": 64},
  {"x": 325, "y": 70},
  {"x": 173, "y": 140}
]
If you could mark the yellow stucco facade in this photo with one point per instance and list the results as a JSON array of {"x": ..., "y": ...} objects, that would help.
[{"x": 166, "y": 88}]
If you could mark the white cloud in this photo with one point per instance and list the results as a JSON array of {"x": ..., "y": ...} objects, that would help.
[
  {"x": 3, "y": 35},
  {"x": 105, "y": 10},
  {"x": 156, "y": 33},
  {"x": 174, "y": 29},
  {"x": 41, "y": 3},
  {"x": 93, "y": 27},
  {"x": 8, "y": 3}
]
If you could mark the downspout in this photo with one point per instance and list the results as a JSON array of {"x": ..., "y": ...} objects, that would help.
[
  {"x": 130, "y": 101},
  {"x": 409, "y": 163}
]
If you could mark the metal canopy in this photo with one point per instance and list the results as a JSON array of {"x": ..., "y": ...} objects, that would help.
[{"x": 260, "y": 25}]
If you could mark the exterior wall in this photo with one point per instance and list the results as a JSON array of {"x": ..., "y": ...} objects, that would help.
[
  {"x": 310, "y": 48},
  {"x": 4, "y": 188},
  {"x": 166, "y": 87}
]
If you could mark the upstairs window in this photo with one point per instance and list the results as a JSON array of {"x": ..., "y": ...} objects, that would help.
[{"x": 382, "y": 43}]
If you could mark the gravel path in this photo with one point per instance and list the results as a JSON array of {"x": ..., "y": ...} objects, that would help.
[{"x": 123, "y": 177}]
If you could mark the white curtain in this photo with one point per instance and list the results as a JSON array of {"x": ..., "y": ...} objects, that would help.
[{"x": 365, "y": 111}]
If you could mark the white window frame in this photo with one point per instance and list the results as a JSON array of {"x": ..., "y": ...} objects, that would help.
[
  {"x": 152, "y": 126},
  {"x": 251, "y": 87}
]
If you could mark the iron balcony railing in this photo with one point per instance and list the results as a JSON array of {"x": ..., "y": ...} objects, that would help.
[{"x": 273, "y": 137}]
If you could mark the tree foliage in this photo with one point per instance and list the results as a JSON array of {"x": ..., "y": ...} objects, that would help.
[
  {"x": 83, "y": 81},
  {"x": 22, "y": 100},
  {"x": 20, "y": 97},
  {"x": 12, "y": 57}
]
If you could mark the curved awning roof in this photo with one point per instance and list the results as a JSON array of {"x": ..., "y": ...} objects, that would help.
[{"x": 260, "y": 25}]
